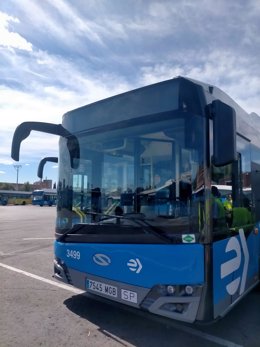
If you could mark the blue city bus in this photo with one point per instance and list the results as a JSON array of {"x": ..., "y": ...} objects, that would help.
[
  {"x": 137, "y": 220},
  {"x": 44, "y": 197}
]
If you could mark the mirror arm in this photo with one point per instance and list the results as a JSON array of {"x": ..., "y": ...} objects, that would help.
[
  {"x": 24, "y": 130},
  {"x": 43, "y": 162}
]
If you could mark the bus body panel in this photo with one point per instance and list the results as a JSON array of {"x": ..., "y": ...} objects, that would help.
[
  {"x": 15, "y": 197},
  {"x": 235, "y": 269},
  {"x": 166, "y": 280},
  {"x": 134, "y": 264}
]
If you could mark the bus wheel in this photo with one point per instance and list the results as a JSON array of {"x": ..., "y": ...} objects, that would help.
[{"x": 24, "y": 203}]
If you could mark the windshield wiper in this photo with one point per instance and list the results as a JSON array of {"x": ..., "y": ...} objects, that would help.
[
  {"x": 150, "y": 229},
  {"x": 141, "y": 222},
  {"x": 73, "y": 230}
]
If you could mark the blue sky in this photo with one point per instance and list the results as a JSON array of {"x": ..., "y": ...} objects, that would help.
[{"x": 59, "y": 55}]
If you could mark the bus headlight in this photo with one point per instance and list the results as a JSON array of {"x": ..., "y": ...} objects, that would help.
[
  {"x": 189, "y": 290},
  {"x": 170, "y": 290}
]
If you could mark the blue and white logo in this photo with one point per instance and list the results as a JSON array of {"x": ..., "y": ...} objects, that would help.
[
  {"x": 135, "y": 265},
  {"x": 101, "y": 259},
  {"x": 233, "y": 264}
]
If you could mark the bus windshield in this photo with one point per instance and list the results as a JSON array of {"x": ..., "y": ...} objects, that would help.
[{"x": 151, "y": 171}]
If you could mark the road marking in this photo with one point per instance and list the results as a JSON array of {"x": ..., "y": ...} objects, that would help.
[
  {"x": 186, "y": 329},
  {"x": 3, "y": 254},
  {"x": 38, "y": 238},
  {"x": 42, "y": 279},
  {"x": 205, "y": 336}
]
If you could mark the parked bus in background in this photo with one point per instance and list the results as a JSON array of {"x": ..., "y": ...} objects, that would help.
[
  {"x": 15, "y": 197},
  {"x": 3, "y": 198},
  {"x": 44, "y": 197},
  {"x": 157, "y": 248}
]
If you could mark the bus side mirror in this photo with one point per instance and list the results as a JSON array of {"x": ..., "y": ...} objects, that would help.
[
  {"x": 24, "y": 129},
  {"x": 224, "y": 133},
  {"x": 43, "y": 162}
]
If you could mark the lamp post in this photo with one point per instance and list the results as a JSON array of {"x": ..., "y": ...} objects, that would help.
[{"x": 17, "y": 168}]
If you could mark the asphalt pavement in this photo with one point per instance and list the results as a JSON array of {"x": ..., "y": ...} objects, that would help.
[{"x": 36, "y": 310}]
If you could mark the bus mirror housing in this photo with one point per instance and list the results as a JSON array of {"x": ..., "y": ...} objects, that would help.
[
  {"x": 43, "y": 162},
  {"x": 224, "y": 133},
  {"x": 24, "y": 129}
]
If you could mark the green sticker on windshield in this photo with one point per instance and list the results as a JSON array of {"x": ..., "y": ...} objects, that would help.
[{"x": 188, "y": 238}]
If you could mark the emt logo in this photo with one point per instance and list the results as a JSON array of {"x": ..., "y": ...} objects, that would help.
[
  {"x": 233, "y": 264},
  {"x": 101, "y": 259}
]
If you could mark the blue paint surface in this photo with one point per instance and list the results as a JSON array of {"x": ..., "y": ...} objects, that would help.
[
  {"x": 221, "y": 255},
  {"x": 160, "y": 264}
]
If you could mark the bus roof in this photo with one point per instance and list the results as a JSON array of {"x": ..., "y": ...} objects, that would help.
[
  {"x": 46, "y": 190},
  {"x": 153, "y": 99},
  {"x": 15, "y": 192},
  {"x": 178, "y": 94}
]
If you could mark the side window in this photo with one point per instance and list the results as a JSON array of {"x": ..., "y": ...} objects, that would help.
[
  {"x": 244, "y": 173},
  {"x": 221, "y": 193},
  {"x": 242, "y": 214},
  {"x": 255, "y": 181},
  {"x": 221, "y": 197},
  {"x": 232, "y": 202}
]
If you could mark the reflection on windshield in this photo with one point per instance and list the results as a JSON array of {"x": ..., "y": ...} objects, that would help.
[{"x": 142, "y": 170}]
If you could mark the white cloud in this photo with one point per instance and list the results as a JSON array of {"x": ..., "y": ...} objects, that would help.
[
  {"x": 59, "y": 55},
  {"x": 11, "y": 39},
  {"x": 77, "y": 24},
  {"x": 48, "y": 104},
  {"x": 234, "y": 75}
]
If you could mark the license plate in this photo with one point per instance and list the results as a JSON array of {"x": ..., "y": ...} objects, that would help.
[{"x": 102, "y": 288}]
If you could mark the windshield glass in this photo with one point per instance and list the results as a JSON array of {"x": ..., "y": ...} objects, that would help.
[{"x": 150, "y": 171}]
